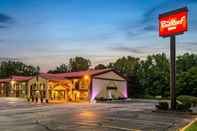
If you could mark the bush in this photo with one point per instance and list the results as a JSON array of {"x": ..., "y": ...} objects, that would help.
[
  {"x": 121, "y": 98},
  {"x": 158, "y": 97},
  {"x": 162, "y": 105},
  {"x": 101, "y": 99},
  {"x": 183, "y": 106},
  {"x": 186, "y": 100},
  {"x": 149, "y": 97}
]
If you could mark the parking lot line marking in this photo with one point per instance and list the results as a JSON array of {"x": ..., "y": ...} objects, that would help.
[{"x": 107, "y": 126}]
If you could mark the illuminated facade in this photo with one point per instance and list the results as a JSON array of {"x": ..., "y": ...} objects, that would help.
[
  {"x": 15, "y": 86},
  {"x": 72, "y": 86}
]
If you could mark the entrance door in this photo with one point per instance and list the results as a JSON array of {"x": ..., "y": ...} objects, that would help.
[
  {"x": 7, "y": 90},
  {"x": 17, "y": 91}
]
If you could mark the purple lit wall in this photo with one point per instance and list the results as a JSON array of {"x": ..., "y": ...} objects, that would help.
[{"x": 99, "y": 85}]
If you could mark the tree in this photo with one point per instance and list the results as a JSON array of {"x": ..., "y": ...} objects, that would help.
[
  {"x": 185, "y": 62},
  {"x": 60, "y": 69},
  {"x": 100, "y": 66},
  {"x": 125, "y": 65},
  {"x": 153, "y": 75},
  {"x": 9, "y": 68},
  {"x": 187, "y": 82},
  {"x": 79, "y": 63}
]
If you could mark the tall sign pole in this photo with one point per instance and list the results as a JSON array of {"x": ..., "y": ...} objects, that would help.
[
  {"x": 173, "y": 71},
  {"x": 171, "y": 24}
]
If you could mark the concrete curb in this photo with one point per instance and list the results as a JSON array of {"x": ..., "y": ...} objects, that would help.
[{"x": 183, "y": 129}]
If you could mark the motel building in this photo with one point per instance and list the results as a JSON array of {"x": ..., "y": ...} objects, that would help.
[
  {"x": 15, "y": 86},
  {"x": 81, "y": 86}
]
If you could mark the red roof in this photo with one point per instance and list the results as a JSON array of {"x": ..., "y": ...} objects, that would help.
[
  {"x": 5, "y": 80},
  {"x": 52, "y": 76},
  {"x": 21, "y": 78},
  {"x": 16, "y": 78},
  {"x": 79, "y": 74}
]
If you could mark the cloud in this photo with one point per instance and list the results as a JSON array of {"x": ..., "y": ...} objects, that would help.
[
  {"x": 8, "y": 59},
  {"x": 189, "y": 43},
  {"x": 153, "y": 12},
  {"x": 149, "y": 19},
  {"x": 3, "y": 26},
  {"x": 188, "y": 46},
  {"x": 149, "y": 27},
  {"x": 5, "y": 20},
  {"x": 135, "y": 50}
]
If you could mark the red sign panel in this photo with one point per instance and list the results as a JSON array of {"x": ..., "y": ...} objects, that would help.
[{"x": 173, "y": 23}]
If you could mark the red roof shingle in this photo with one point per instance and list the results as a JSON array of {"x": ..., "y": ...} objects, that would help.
[
  {"x": 21, "y": 78},
  {"x": 16, "y": 78},
  {"x": 79, "y": 74}
]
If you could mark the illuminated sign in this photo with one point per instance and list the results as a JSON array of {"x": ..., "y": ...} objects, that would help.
[{"x": 173, "y": 22}]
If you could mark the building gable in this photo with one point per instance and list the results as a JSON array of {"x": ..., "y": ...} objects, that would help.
[{"x": 110, "y": 75}]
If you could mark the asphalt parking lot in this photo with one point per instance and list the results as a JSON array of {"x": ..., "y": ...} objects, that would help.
[{"x": 18, "y": 115}]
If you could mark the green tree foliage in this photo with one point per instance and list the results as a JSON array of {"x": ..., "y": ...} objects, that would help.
[
  {"x": 79, "y": 63},
  {"x": 100, "y": 66},
  {"x": 8, "y": 68},
  {"x": 153, "y": 75},
  {"x": 125, "y": 65},
  {"x": 185, "y": 62},
  {"x": 60, "y": 69},
  {"x": 187, "y": 82}
]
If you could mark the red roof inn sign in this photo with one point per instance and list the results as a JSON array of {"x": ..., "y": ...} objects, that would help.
[{"x": 171, "y": 24}]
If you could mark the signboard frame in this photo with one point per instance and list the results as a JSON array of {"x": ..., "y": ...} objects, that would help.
[{"x": 167, "y": 14}]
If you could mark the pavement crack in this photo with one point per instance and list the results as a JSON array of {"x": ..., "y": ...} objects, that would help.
[{"x": 46, "y": 127}]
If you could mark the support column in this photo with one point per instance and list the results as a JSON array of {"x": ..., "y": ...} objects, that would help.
[
  {"x": 47, "y": 92},
  {"x": 28, "y": 89},
  {"x": 173, "y": 72}
]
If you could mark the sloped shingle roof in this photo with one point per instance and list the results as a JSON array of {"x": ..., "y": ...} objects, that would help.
[
  {"x": 79, "y": 74},
  {"x": 16, "y": 78}
]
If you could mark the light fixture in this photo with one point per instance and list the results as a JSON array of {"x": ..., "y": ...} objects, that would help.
[
  {"x": 13, "y": 82},
  {"x": 86, "y": 77}
]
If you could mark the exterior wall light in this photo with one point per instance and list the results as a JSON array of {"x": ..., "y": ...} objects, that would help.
[
  {"x": 13, "y": 82},
  {"x": 86, "y": 77}
]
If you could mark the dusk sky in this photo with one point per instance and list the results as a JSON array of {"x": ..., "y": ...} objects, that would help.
[{"x": 49, "y": 32}]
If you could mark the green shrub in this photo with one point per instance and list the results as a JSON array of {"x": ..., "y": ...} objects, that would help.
[
  {"x": 158, "y": 97},
  {"x": 183, "y": 106},
  {"x": 162, "y": 105},
  {"x": 149, "y": 97},
  {"x": 188, "y": 100}
]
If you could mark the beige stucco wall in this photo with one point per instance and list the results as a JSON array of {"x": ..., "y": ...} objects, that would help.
[{"x": 110, "y": 79}]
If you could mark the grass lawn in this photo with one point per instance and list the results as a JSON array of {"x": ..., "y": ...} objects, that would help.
[{"x": 192, "y": 127}]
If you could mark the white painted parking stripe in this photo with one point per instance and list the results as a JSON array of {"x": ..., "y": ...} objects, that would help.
[{"x": 107, "y": 126}]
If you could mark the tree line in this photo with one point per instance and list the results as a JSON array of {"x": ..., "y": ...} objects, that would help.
[{"x": 147, "y": 78}]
